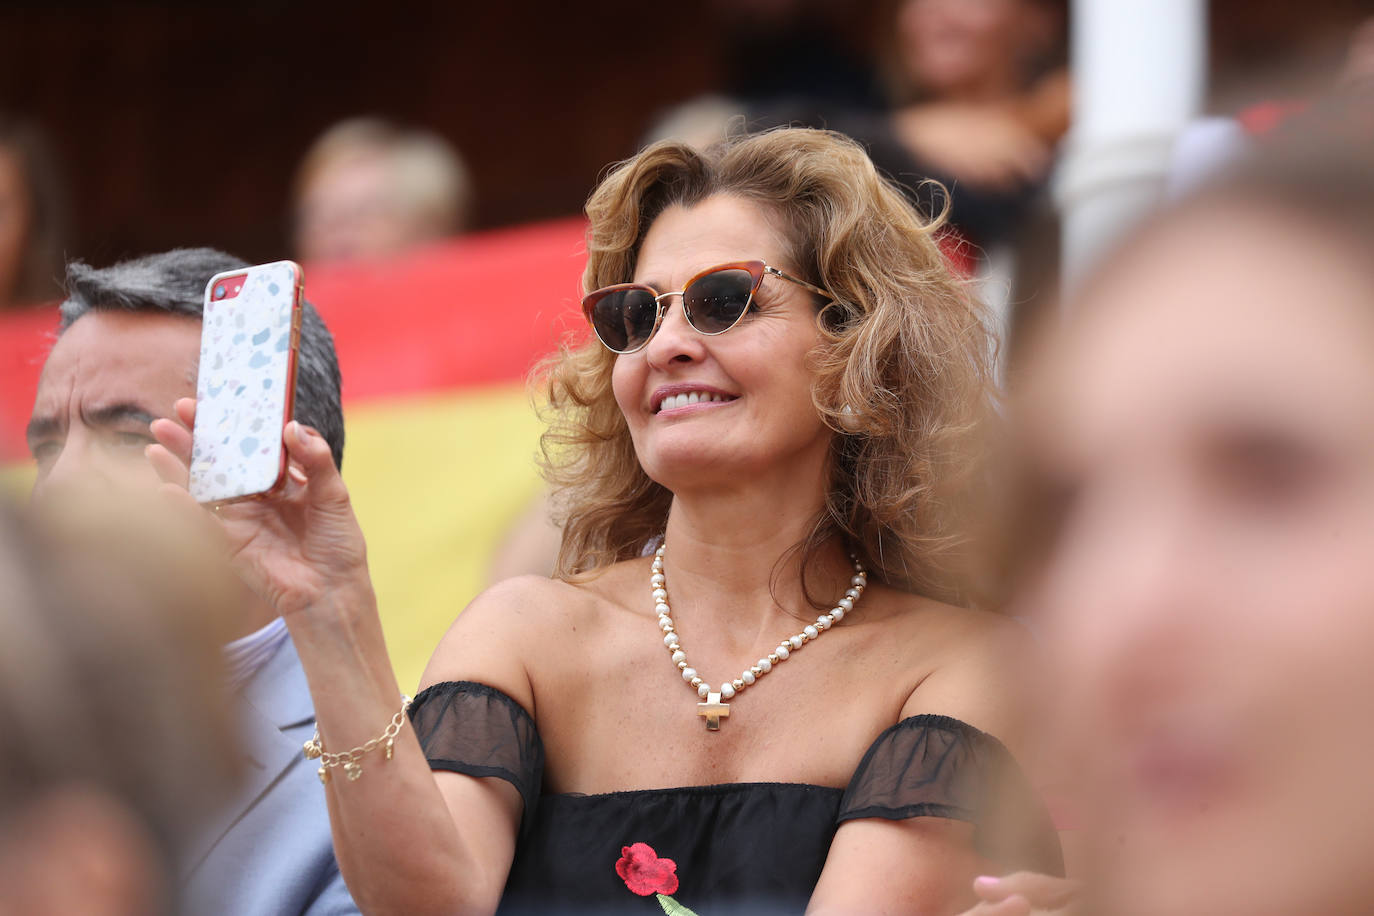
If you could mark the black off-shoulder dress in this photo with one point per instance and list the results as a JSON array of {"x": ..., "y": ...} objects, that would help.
[{"x": 744, "y": 847}]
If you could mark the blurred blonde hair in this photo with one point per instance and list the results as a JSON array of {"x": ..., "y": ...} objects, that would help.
[
  {"x": 905, "y": 345},
  {"x": 111, "y": 673},
  {"x": 429, "y": 178}
]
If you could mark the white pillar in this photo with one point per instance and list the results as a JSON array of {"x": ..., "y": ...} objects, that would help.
[{"x": 1139, "y": 73}]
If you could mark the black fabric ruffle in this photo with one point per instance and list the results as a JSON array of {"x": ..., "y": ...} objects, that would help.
[{"x": 750, "y": 846}]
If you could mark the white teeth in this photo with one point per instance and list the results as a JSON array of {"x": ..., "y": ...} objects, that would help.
[{"x": 674, "y": 401}]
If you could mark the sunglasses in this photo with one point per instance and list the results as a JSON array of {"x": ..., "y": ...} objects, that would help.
[{"x": 626, "y": 315}]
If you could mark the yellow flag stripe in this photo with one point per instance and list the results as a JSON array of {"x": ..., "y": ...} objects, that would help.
[{"x": 436, "y": 482}]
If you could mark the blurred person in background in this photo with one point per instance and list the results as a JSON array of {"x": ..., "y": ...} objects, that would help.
[
  {"x": 981, "y": 92},
  {"x": 127, "y": 349},
  {"x": 1359, "y": 59},
  {"x": 778, "y": 444},
  {"x": 980, "y": 86},
  {"x": 370, "y": 189},
  {"x": 32, "y": 216},
  {"x": 1197, "y": 453},
  {"x": 118, "y": 747},
  {"x": 1337, "y": 59},
  {"x": 973, "y": 93}
]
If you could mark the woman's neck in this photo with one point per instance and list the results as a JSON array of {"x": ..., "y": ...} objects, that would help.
[{"x": 722, "y": 561}]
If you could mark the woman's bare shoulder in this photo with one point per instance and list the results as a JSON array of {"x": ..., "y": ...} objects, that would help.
[
  {"x": 523, "y": 607},
  {"x": 979, "y": 664},
  {"x": 505, "y": 627},
  {"x": 489, "y": 640},
  {"x": 959, "y": 628},
  {"x": 538, "y": 600}
]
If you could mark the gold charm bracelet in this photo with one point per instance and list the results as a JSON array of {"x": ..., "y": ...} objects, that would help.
[{"x": 314, "y": 748}]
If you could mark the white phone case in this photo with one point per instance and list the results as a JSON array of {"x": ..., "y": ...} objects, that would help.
[{"x": 245, "y": 387}]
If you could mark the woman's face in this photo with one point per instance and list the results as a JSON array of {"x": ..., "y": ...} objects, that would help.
[
  {"x": 954, "y": 47},
  {"x": 760, "y": 422},
  {"x": 1207, "y": 429},
  {"x": 351, "y": 210}
]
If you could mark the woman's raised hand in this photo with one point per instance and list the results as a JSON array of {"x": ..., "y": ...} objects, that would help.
[
  {"x": 296, "y": 547},
  {"x": 985, "y": 145}
]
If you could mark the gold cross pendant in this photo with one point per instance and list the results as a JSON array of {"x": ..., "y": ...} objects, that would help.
[{"x": 713, "y": 710}]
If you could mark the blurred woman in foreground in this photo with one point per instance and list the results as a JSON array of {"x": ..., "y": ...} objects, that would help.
[
  {"x": 117, "y": 747},
  {"x": 1200, "y": 448}
]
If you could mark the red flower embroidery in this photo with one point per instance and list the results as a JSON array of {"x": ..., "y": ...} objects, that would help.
[{"x": 644, "y": 872}]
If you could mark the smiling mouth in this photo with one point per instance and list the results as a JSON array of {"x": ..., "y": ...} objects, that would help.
[{"x": 688, "y": 398}]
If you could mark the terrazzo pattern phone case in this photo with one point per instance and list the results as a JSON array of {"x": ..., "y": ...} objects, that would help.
[{"x": 246, "y": 383}]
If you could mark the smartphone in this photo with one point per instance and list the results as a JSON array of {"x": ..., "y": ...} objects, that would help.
[{"x": 245, "y": 391}]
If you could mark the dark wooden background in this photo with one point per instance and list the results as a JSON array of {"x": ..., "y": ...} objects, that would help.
[{"x": 182, "y": 123}]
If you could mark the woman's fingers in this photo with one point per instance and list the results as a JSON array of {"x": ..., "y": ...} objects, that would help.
[
  {"x": 1044, "y": 892},
  {"x": 1011, "y": 906},
  {"x": 185, "y": 409},
  {"x": 174, "y": 437},
  {"x": 170, "y": 456},
  {"x": 982, "y": 144},
  {"x": 168, "y": 466}
]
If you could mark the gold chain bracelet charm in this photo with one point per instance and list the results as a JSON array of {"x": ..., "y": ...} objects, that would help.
[{"x": 314, "y": 748}]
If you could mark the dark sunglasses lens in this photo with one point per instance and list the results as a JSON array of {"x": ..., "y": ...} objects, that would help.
[
  {"x": 624, "y": 318},
  {"x": 717, "y": 300}
]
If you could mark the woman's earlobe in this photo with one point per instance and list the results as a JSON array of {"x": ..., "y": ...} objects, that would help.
[{"x": 849, "y": 420}]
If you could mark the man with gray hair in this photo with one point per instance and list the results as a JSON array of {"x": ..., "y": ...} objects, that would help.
[{"x": 127, "y": 349}]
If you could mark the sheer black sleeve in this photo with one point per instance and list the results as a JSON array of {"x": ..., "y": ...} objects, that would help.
[
  {"x": 935, "y": 766},
  {"x": 477, "y": 730}
]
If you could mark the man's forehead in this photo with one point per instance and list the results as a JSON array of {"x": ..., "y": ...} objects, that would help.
[
  {"x": 170, "y": 339},
  {"x": 125, "y": 349}
]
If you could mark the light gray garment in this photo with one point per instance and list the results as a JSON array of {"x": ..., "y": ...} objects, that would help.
[{"x": 269, "y": 853}]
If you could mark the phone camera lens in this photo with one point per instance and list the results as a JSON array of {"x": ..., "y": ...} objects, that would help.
[{"x": 219, "y": 291}]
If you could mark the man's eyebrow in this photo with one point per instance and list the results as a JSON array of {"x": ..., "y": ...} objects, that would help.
[
  {"x": 109, "y": 415},
  {"x": 41, "y": 427},
  {"x": 112, "y": 414}
]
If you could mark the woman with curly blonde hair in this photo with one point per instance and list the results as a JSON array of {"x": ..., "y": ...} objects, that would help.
[
  {"x": 899, "y": 369},
  {"x": 755, "y": 458}
]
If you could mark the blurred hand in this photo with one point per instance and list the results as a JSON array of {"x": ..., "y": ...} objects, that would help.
[
  {"x": 295, "y": 548},
  {"x": 1023, "y": 894},
  {"x": 985, "y": 145}
]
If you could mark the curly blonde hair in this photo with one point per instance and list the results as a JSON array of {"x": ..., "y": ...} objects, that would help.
[{"x": 904, "y": 345}]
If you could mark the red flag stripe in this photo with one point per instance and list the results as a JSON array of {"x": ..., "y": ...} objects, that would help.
[{"x": 477, "y": 310}]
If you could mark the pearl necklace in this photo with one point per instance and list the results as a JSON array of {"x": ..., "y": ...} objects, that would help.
[{"x": 713, "y": 710}]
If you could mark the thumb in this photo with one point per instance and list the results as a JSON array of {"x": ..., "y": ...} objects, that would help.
[
  {"x": 312, "y": 466},
  {"x": 307, "y": 449}
]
